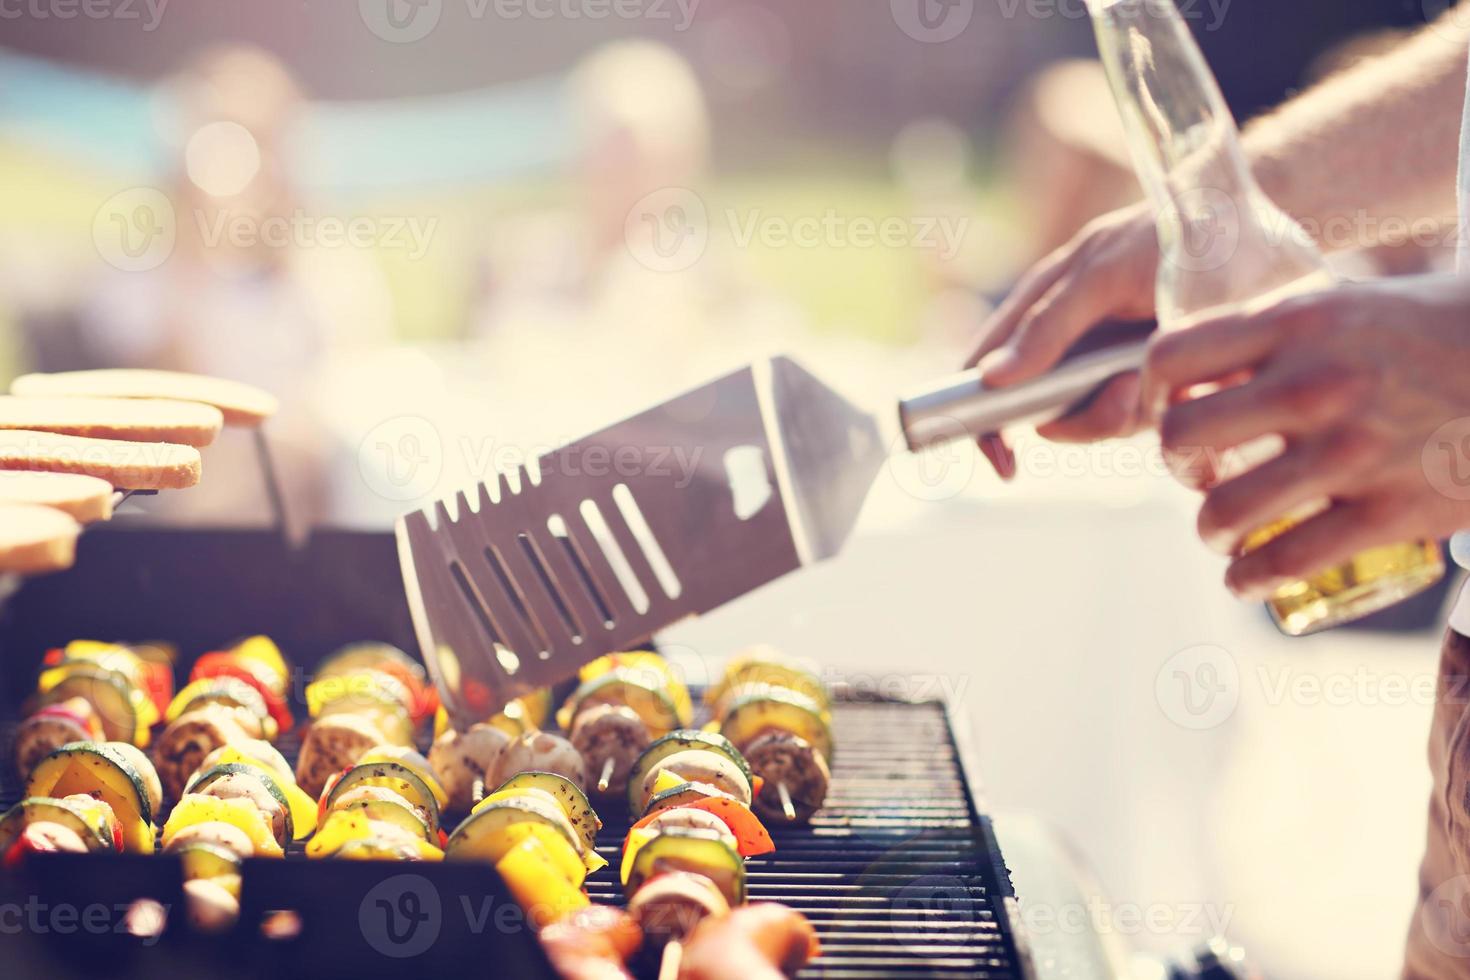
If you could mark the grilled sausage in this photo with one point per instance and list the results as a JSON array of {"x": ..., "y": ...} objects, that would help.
[
  {"x": 764, "y": 941},
  {"x": 593, "y": 944}
]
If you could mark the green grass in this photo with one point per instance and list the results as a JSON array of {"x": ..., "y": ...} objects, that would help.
[{"x": 867, "y": 292}]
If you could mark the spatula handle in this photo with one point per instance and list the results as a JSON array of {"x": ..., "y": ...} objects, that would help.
[{"x": 960, "y": 406}]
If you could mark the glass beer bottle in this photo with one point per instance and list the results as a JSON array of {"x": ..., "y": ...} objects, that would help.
[{"x": 1224, "y": 244}]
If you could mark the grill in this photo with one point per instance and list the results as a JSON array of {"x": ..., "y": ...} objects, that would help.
[{"x": 899, "y": 873}]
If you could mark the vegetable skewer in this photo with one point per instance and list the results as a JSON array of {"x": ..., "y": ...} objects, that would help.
[{"x": 779, "y": 715}]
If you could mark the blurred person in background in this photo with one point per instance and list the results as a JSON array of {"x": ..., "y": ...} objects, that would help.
[
  {"x": 1361, "y": 380},
  {"x": 246, "y": 292},
  {"x": 637, "y": 264}
]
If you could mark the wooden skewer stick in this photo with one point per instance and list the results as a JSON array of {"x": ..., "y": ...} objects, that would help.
[
  {"x": 605, "y": 779},
  {"x": 673, "y": 958},
  {"x": 786, "y": 805}
]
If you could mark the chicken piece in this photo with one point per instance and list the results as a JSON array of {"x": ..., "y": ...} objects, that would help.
[
  {"x": 764, "y": 941},
  {"x": 540, "y": 752},
  {"x": 609, "y": 733},
  {"x": 189, "y": 738},
  {"x": 461, "y": 758},
  {"x": 334, "y": 743},
  {"x": 784, "y": 759},
  {"x": 593, "y": 944}
]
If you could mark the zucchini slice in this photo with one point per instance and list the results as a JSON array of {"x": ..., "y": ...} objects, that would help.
[
  {"x": 365, "y": 656},
  {"x": 491, "y": 831},
  {"x": 696, "y": 852},
  {"x": 108, "y": 691},
  {"x": 765, "y": 667},
  {"x": 566, "y": 793},
  {"x": 46, "y": 809},
  {"x": 758, "y": 708},
  {"x": 390, "y": 775},
  {"x": 204, "y": 860},
  {"x": 679, "y": 741},
  {"x": 98, "y": 771},
  {"x": 634, "y": 689},
  {"x": 199, "y": 782}
]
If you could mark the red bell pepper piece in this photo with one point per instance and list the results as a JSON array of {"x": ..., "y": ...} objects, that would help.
[
  {"x": 751, "y": 836},
  {"x": 222, "y": 664}
]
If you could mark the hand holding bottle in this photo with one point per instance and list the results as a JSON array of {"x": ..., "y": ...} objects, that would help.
[
  {"x": 1365, "y": 381},
  {"x": 1106, "y": 273}
]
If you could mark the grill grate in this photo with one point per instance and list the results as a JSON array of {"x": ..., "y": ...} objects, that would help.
[{"x": 898, "y": 873}]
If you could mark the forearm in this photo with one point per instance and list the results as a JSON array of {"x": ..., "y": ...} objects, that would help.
[{"x": 1379, "y": 141}]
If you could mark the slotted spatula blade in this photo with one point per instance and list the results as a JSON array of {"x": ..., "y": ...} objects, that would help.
[{"x": 669, "y": 514}]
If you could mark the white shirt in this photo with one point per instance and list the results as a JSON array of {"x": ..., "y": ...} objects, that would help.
[{"x": 1460, "y": 543}]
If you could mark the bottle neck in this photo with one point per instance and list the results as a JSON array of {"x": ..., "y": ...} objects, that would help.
[
  {"x": 1180, "y": 131},
  {"x": 1221, "y": 240}
]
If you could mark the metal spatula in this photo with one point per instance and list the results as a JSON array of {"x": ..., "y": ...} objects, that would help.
[{"x": 675, "y": 512}]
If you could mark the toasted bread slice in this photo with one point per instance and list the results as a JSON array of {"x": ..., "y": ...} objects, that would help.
[
  {"x": 128, "y": 465},
  {"x": 36, "y": 539},
  {"x": 242, "y": 404},
  {"x": 85, "y": 498},
  {"x": 133, "y": 419}
]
